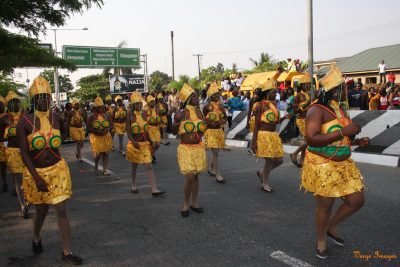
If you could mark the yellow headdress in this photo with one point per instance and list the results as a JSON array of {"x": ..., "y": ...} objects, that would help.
[
  {"x": 108, "y": 97},
  {"x": 149, "y": 98},
  {"x": 39, "y": 86},
  {"x": 269, "y": 85},
  {"x": 185, "y": 92},
  {"x": 98, "y": 102},
  {"x": 160, "y": 96},
  {"x": 10, "y": 96},
  {"x": 118, "y": 97},
  {"x": 212, "y": 89},
  {"x": 74, "y": 101},
  {"x": 332, "y": 79},
  {"x": 2, "y": 100},
  {"x": 136, "y": 97}
]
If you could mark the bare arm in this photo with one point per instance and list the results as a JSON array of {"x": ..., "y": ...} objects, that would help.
[{"x": 257, "y": 115}]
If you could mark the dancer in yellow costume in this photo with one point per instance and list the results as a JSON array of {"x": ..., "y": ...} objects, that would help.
[
  {"x": 119, "y": 116},
  {"x": 215, "y": 117},
  {"x": 100, "y": 126},
  {"x": 163, "y": 111},
  {"x": 250, "y": 114},
  {"x": 139, "y": 148},
  {"x": 189, "y": 124},
  {"x": 152, "y": 115},
  {"x": 47, "y": 179},
  {"x": 76, "y": 120},
  {"x": 8, "y": 125},
  {"x": 328, "y": 170},
  {"x": 3, "y": 153},
  {"x": 266, "y": 142},
  {"x": 109, "y": 110},
  {"x": 301, "y": 104}
]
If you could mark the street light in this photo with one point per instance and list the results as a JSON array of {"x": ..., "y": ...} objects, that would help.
[{"x": 56, "y": 83}]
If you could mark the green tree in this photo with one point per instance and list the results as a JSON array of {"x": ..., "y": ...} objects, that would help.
[
  {"x": 91, "y": 86},
  {"x": 64, "y": 80},
  {"x": 34, "y": 17},
  {"x": 159, "y": 81},
  {"x": 7, "y": 84}
]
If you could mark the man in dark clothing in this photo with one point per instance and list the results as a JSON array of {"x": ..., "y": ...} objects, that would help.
[
  {"x": 364, "y": 97},
  {"x": 354, "y": 96}
]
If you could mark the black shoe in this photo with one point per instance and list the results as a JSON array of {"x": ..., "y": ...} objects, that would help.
[
  {"x": 198, "y": 210},
  {"x": 14, "y": 193},
  {"x": 135, "y": 191},
  {"x": 185, "y": 213},
  {"x": 71, "y": 258},
  {"x": 321, "y": 254},
  {"x": 25, "y": 213},
  {"x": 5, "y": 187},
  {"x": 37, "y": 247},
  {"x": 156, "y": 194},
  {"x": 338, "y": 241}
]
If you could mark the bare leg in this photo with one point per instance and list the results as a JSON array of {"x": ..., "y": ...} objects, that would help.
[
  {"x": 17, "y": 177},
  {"x": 63, "y": 225},
  {"x": 303, "y": 152},
  {"x": 188, "y": 190},
  {"x": 97, "y": 157},
  {"x": 105, "y": 163},
  {"x": 214, "y": 164},
  {"x": 351, "y": 204},
  {"x": 165, "y": 135},
  {"x": 268, "y": 165},
  {"x": 112, "y": 140},
  {"x": 133, "y": 176},
  {"x": 322, "y": 216},
  {"x": 38, "y": 220},
  {"x": 302, "y": 148},
  {"x": 151, "y": 178},
  {"x": 195, "y": 191},
  {"x": 121, "y": 143},
  {"x": 3, "y": 173},
  {"x": 79, "y": 145}
]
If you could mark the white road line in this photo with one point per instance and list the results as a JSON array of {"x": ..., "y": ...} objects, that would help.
[
  {"x": 291, "y": 261},
  {"x": 90, "y": 162}
]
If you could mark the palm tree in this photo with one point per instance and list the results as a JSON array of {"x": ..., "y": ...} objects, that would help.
[{"x": 265, "y": 57}]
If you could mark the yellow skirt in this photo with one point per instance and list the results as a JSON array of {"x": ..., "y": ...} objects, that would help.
[
  {"x": 164, "y": 121},
  {"x": 214, "y": 138},
  {"x": 101, "y": 143},
  {"x": 301, "y": 124},
  {"x": 142, "y": 155},
  {"x": 14, "y": 160},
  {"x": 252, "y": 122},
  {"x": 77, "y": 134},
  {"x": 329, "y": 178},
  {"x": 192, "y": 158},
  {"x": 58, "y": 181},
  {"x": 269, "y": 145},
  {"x": 120, "y": 128},
  {"x": 3, "y": 152},
  {"x": 154, "y": 132}
]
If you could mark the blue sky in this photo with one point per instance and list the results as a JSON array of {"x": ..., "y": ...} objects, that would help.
[{"x": 231, "y": 31}]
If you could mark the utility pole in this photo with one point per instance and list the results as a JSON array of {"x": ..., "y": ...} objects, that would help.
[
  {"x": 173, "y": 64},
  {"x": 145, "y": 73},
  {"x": 198, "y": 62},
  {"x": 310, "y": 47},
  {"x": 56, "y": 83}
]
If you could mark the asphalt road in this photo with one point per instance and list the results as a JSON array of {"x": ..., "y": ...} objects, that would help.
[{"x": 241, "y": 225}]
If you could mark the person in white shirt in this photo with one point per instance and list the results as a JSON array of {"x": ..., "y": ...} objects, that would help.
[
  {"x": 239, "y": 80},
  {"x": 382, "y": 72},
  {"x": 226, "y": 84}
]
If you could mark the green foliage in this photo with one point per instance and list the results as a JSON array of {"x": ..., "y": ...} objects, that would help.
[
  {"x": 64, "y": 80},
  {"x": 7, "y": 84},
  {"x": 92, "y": 86},
  {"x": 159, "y": 81},
  {"x": 34, "y": 17}
]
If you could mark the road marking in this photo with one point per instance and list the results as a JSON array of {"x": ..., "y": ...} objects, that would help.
[
  {"x": 291, "y": 261},
  {"x": 90, "y": 162}
]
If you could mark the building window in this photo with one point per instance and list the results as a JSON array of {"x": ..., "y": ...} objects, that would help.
[{"x": 370, "y": 80}]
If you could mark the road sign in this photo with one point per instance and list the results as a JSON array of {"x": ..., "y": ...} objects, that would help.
[
  {"x": 47, "y": 46},
  {"x": 92, "y": 57}
]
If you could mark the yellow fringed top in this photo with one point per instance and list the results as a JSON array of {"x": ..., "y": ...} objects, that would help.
[
  {"x": 163, "y": 110},
  {"x": 216, "y": 114},
  {"x": 100, "y": 123},
  {"x": 46, "y": 136},
  {"x": 271, "y": 115},
  {"x": 193, "y": 123},
  {"x": 120, "y": 113},
  {"x": 304, "y": 105},
  {"x": 152, "y": 117},
  {"x": 77, "y": 118},
  {"x": 139, "y": 126},
  {"x": 11, "y": 130}
]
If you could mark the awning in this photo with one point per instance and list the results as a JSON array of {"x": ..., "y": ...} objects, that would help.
[
  {"x": 287, "y": 76},
  {"x": 260, "y": 77}
]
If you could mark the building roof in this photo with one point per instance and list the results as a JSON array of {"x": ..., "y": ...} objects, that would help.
[
  {"x": 369, "y": 60},
  {"x": 323, "y": 62}
]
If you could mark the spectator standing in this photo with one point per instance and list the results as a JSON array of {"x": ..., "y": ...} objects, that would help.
[
  {"x": 203, "y": 98},
  {"x": 354, "y": 96},
  {"x": 382, "y": 72},
  {"x": 364, "y": 97},
  {"x": 226, "y": 84},
  {"x": 239, "y": 80},
  {"x": 373, "y": 99},
  {"x": 290, "y": 65},
  {"x": 234, "y": 104},
  {"x": 391, "y": 78},
  {"x": 173, "y": 105},
  {"x": 394, "y": 99},
  {"x": 383, "y": 100},
  {"x": 246, "y": 101},
  {"x": 282, "y": 104}
]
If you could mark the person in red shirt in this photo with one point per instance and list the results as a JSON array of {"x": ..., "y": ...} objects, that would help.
[{"x": 391, "y": 78}]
